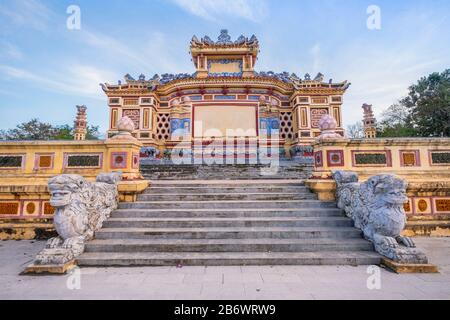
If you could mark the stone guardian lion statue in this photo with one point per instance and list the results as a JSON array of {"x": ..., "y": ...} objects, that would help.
[
  {"x": 81, "y": 209},
  {"x": 376, "y": 207}
]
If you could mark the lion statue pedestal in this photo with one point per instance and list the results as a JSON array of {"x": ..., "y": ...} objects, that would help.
[
  {"x": 81, "y": 209},
  {"x": 376, "y": 207}
]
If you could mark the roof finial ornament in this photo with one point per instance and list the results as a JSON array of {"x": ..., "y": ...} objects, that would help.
[
  {"x": 307, "y": 77},
  {"x": 319, "y": 77},
  {"x": 224, "y": 37}
]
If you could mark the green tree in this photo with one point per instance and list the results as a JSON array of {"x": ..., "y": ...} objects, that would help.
[
  {"x": 36, "y": 130},
  {"x": 31, "y": 130},
  {"x": 396, "y": 122},
  {"x": 424, "y": 112},
  {"x": 429, "y": 105}
]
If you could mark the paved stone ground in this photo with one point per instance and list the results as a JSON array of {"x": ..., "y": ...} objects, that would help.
[{"x": 200, "y": 283}]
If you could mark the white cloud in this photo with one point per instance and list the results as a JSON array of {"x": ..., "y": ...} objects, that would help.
[
  {"x": 154, "y": 51},
  {"x": 9, "y": 50},
  {"x": 213, "y": 10},
  {"x": 30, "y": 13},
  {"x": 81, "y": 80}
]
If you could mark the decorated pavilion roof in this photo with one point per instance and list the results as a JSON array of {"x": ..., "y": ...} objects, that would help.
[
  {"x": 223, "y": 46},
  {"x": 224, "y": 40},
  {"x": 285, "y": 77}
]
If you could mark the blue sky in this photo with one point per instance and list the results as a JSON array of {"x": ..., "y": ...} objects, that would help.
[{"x": 46, "y": 69}]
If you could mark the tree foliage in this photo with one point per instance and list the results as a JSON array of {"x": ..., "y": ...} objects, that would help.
[
  {"x": 424, "y": 112},
  {"x": 429, "y": 104},
  {"x": 396, "y": 122},
  {"x": 36, "y": 130}
]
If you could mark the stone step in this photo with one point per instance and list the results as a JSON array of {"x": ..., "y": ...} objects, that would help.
[
  {"x": 212, "y": 189},
  {"x": 227, "y": 258},
  {"x": 227, "y": 184},
  {"x": 225, "y": 222},
  {"x": 284, "y": 169},
  {"x": 229, "y": 233},
  {"x": 172, "y": 177},
  {"x": 224, "y": 204},
  {"x": 225, "y": 196},
  {"x": 226, "y": 213},
  {"x": 228, "y": 245}
]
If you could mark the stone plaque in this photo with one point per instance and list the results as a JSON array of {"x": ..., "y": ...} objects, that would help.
[
  {"x": 316, "y": 115},
  {"x": 134, "y": 115}
]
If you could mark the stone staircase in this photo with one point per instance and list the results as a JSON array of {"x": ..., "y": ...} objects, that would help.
[
  {"x": 247, "y": 222},
  {"x": 167, "y": 171}
]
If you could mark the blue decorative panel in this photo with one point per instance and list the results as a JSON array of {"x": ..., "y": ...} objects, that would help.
[
  {"x": 175, "y": 124},
  {"x": 223, "y": 97},
  {"x": 269, "y": 125},
  {"x": 274, "y": 124}
]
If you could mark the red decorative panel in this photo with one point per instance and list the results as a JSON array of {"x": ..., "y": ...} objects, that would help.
[
  {"x": 119, "y": 160},
  {"x": 316, "y": 115},
  {"x": 335, "y": 158},
  {"x": 134, "y": 115},
  {"x": 318, "y": 159},
  {"x": 135, "y": 163}
]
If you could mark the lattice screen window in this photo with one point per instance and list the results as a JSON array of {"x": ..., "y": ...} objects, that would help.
[
  {"x": 163, "y": 126},
  {"x": 286, "y": 127}
]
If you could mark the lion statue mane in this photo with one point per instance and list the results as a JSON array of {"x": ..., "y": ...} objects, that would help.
[
  {"x": 81, "y": 208},
  {"x": 376, "y": 207}
]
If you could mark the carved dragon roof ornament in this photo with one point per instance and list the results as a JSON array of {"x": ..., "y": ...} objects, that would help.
[{"x": 224, "y": 39}]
